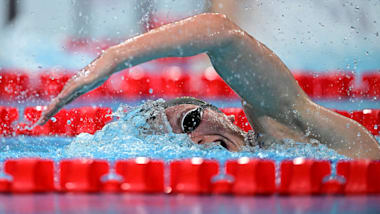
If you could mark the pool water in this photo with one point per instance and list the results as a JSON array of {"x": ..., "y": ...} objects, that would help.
[{"x": 128, "y": 136}]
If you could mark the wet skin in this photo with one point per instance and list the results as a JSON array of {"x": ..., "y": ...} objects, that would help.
[
  {"x": 275, "y": 105},
  {"x": 215, "y": 127}
]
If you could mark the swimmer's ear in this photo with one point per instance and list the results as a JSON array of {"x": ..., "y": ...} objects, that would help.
[{"x": 231, "y": 118}]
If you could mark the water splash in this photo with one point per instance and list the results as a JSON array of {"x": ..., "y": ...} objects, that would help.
[{"x": 145, "y": 131}]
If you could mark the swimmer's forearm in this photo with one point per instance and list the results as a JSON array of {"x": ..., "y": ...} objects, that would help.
[{"x": 188, "y": 37}]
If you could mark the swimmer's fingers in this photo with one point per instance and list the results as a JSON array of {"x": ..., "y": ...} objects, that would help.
[
  {"x": 85, "y": 80},
  {"x": 54, "y": 106},
  {"x": 68, "y": 94}
]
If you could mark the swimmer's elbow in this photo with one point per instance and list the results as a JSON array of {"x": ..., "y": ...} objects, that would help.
[
  {"x": 214, "y": 17},
  {"x": 217, "y": 24},
  {"x": 220, "y": 21}
]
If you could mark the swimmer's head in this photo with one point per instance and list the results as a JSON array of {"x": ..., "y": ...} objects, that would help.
[{"x": 204, "y": 123}]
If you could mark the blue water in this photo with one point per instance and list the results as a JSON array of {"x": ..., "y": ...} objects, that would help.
[{"x": 129, "y": 136}]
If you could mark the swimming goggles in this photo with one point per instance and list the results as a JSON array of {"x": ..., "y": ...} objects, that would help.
[{"x": 191, "y": 120}]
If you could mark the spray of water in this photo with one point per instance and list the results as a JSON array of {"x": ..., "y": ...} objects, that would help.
[{"x": 144, "y": 131}]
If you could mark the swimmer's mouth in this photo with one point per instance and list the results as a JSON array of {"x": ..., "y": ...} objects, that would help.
[
  {"x": 226, "y": 143},
  {"x": 222, "y": 143}
]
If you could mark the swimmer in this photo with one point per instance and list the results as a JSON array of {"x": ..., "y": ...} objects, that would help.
[{"x": 276, "y": 107}]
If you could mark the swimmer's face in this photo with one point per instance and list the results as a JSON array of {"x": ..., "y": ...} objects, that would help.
[{"x": 213, "y": 127}]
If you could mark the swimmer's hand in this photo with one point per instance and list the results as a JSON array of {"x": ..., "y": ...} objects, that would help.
[
  {"x": 89, "y": 78},
  {"x": 73, "y": 88}
]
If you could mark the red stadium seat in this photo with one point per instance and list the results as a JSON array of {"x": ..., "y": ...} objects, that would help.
[
  {"x": 14, "y": 85},
  {"x": 25, "y": 129},
  {"x": 221, "y": 187},
  {"x": 130, "y": 84},
  {"x": 332, "y": 187},
  {"x": 115, "y": 85},
  {"x": 30, "y": 175},
  {"x": 240, "y": 117},
  {"x": 52, "y": 83},
  {"x": 138, "y": 84},
  {"x": 192, "y": 176},
  {"x": 344, "y": 113},
  {"x": 326, "y": 85},
  {"x": 141, "y": 175},
  {"x": 111, "y": 186},
  {"x": 8, "y": 116},
  {"x": 82, "y": 175},
  {"x": 306, "y": 82},
  {"x": 336, "y": 85},
  {"x": 87, "y": 119},
  {"x": 373, "y": 177},
  {"x": 5, "y": 185},
  {"x": 66, "y": 122},
  {"x": 83, "y": 120},
  {"x": 362, "y": 176},
  {"x": 102, "y": 117},
  {"x": 95, "y": 94},
  {"x": 371, "y": 82},
  {"x": 197, "y": 88},
  {"x": 371, "y": 120},
  {"x": 357, "y": 116},
  {"x": 174, "y": 82},
  {"x": 215, "y": 87},
  {"x": 301, "y": 176},
  {"x": 252, "y": 176},
  {"x": 55, "y": 126}
]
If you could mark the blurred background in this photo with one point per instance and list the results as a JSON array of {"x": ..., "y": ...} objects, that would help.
[{"x": 306, "y": 34}]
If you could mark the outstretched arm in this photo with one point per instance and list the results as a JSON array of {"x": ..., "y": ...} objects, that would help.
[
  {"x": 244, "y": 63},
  {"x": 252, "y": 70}
]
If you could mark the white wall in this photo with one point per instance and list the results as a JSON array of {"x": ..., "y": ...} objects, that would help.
[
  {"x": 323, "y": 34},
  {"x": 306, "y": 34}
]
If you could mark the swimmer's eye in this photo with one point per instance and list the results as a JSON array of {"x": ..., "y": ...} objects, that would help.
[{"x": 191, "y": 120}]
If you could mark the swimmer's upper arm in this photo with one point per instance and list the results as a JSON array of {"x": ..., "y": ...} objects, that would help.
[
  {"x": 272, "y": 96},
  {"x": 340, "y": 133},
  {"x": 258, "y": 76}
]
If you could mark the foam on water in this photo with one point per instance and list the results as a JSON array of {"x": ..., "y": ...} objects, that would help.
[{"x": 132, "y": 136}]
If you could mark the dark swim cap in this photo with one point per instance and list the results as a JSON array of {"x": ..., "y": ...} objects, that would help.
[{"x": 190, "y": 100}]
